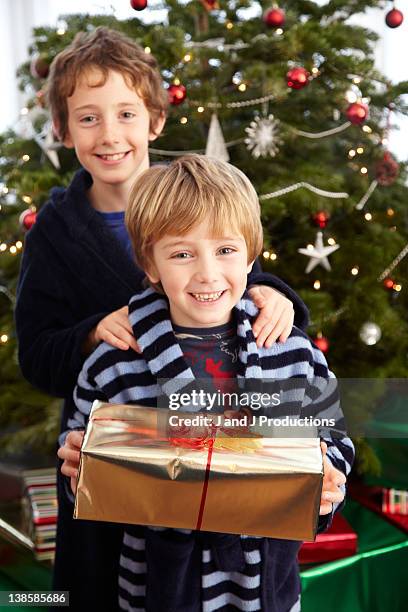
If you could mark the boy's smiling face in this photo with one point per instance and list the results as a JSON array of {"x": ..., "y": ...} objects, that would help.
[
  {"x": 203, "y": 277},
  {"x": 109, "y": 127}
]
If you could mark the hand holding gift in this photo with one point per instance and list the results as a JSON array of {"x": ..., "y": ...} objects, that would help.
[
  {"x": 333, "y": 478},
  {"x": 70, "y": 453}
]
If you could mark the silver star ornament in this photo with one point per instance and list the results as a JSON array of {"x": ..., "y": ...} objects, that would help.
[{"x": 318, "y": 253}]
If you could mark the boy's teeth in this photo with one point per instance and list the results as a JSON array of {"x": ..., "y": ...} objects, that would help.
[
  {"x": 207, "y": 297},
  {"x": 114, "y": 156}
]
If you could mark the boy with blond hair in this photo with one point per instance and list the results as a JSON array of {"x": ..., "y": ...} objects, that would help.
[
  {"x": 196, "y": 231},
  {"x": 77, "y": 275}
]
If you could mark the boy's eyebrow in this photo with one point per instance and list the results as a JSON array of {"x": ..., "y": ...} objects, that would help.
[
  {"x": 95, "y": 106},
  {"x": 135, "y": 103},
  {"x": 174, "y": 243},
  {"x": 178, "y": 242}
]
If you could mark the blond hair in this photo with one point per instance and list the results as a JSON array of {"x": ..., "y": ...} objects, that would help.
[
  {"x": 104, "y": 50},
  {"x": 173, "y": 199}
]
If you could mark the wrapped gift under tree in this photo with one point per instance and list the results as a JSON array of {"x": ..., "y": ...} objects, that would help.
[{"x": 338, "y": 542}]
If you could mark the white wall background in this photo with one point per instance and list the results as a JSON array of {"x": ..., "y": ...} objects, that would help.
[{"x": 18, "y": 17}]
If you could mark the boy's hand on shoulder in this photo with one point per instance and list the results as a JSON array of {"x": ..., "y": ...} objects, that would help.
[
  {"x": 69, "y": 453},
  {"x": 333, "y": 478},
  {"x": 275, "y": 320},
  {"x": 115, "y": 329}
]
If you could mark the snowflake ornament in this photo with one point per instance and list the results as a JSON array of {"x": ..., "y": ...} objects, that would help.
[{"x": 263, "y": 137}]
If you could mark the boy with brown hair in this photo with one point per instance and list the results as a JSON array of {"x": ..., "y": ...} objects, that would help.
[
  {"x": 77, "y": 274},
  {"x": 195, "y": 228}
]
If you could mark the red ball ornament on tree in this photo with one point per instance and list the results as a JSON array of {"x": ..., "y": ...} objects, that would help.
[
  {"x": 321, "y": 218},
  {"x": 388, "y": 283},
  {"x": 27, "y": 219},
  {"x": 322, "y": 343},
  {"x": 394, "y": 18},
  {"x": 177, "y": 94},
  {"x": 297, "y": 78},
  {"x": 386, "y": 170},
  {"x": 210, "y": 5},
  {"x": 274, "y": 18},
  {"x": 39, "y": 67},
  {"x": 138, "y": 5},
  {"x": 357, "y": 113}
]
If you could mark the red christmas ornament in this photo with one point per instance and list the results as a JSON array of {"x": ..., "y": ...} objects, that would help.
[
  {"x": 321, "y": 218},
  {"x": 39, "y": 67},
  {"x": 388, "y": 283},
  {"x": 177, "y": 94},
  {"x": 394, "y": 18},
  {"x": 322, "y": 343},
  {"x": 386, "y": 170},
  {"x": 138, "y": 5},
  {"x": 210, "y": 5},
  {"x": 297, "y": 78},
  {"x": 27, "y": 219},
  {"x": 274, "y": 18},
  {"x": 357, "y": 113}
]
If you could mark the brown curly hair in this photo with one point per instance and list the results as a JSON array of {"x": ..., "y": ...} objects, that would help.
[{"x": 104, "y": 50}]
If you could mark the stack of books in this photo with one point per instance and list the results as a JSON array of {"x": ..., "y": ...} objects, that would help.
[
  {"x": 40, "y": 510},
  {"x": 28, "y": 510}
]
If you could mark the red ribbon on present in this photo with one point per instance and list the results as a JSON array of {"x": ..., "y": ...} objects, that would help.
[
  {"x": 205, "y": 484},
  {"x": 199, "y": 443},
  {"x": 206, "y": 441}
]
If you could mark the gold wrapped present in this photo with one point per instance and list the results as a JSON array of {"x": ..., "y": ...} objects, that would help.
[{"x": 135, "y": 469}]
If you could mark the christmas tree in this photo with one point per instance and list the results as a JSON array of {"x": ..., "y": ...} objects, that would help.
[{"x": 291, "y": 95}]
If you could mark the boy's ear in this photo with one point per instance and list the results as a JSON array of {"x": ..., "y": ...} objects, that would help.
[
  {"x": 158, "y": 128},
  {"x": 68, "y": 142},
  {"x": 152, "y": 273},
  {"x": 56, "y": 128},
  {"x": 249, "y": 266}
]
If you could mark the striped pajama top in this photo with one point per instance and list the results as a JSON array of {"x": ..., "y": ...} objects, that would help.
[{"x": 117, "y": 376}]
